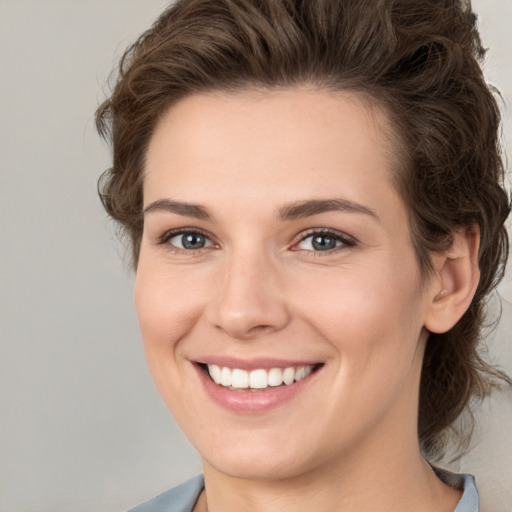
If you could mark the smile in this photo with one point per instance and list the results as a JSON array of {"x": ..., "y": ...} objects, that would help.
[
  {"x": 257, "y": 386},
  {"x": 259, "y": 379}
]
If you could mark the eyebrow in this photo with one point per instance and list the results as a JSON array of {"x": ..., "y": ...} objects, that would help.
[
  {"x": 302, "y": 209},
  {"x": 178, "y": 207},
  {"x": 295, "y": 210}
]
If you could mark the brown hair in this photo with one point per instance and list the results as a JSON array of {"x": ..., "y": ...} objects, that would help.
[{"x": 418, "y": 59}]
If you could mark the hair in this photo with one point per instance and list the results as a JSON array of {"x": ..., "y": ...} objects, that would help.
[{"x": 420, "y": 61}]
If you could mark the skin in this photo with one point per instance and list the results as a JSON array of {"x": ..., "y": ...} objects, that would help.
[{"x": 259, "y": 289}]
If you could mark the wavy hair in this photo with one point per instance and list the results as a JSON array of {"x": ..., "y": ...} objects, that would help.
[{"x": 419, "y": 60}]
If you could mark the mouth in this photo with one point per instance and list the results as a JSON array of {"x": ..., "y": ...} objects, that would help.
[{"x": 260, "y": 379}]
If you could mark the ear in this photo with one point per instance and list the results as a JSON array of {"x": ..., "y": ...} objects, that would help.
[{"x": 454, "y": 285}]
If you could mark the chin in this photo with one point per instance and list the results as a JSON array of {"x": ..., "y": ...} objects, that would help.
[
  {"x": 261, "y": 468},
  {"x": 259, "y": 459}
]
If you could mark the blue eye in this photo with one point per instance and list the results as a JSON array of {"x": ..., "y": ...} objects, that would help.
[
  {"x": 189, "y": 240},
  {"x": 324, "y": 241}
]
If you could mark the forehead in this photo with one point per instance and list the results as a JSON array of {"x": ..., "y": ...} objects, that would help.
[{"x": 269, "y": 146}]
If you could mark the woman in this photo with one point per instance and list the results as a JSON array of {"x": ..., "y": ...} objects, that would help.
[{"x": 313, "y": 194}]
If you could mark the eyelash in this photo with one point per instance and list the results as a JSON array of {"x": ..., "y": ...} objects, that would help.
[
  {"x": 346, "y": 240},
  {"x": 164, "y": 240}
]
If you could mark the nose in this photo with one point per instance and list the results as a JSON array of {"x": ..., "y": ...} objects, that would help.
[{"x": 250, "y": 301}]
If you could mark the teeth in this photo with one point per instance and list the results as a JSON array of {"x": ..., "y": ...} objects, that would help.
[
  {"x": 303, "y": 372},
  {"x": 275, "y": 377},
  {"x": 289, "y": 375},
  {"x": 225, "y": 377},
  {"x": 215, "y": 373},
  {"x": 257, "y": 379},
  {"x": 240, "y": 379}
]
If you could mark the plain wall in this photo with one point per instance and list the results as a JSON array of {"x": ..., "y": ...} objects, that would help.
[{"x": 81, "y": 425}]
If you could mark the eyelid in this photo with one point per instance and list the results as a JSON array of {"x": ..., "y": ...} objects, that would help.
[
  {"x": 346, "y": 239},
  {"x": 171, "y": 233}
]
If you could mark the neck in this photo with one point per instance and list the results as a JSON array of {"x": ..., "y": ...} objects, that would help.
[{"x": 402, "y": 484}]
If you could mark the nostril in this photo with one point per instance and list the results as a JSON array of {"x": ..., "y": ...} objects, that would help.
[
  {"x": 260, "y": 328},
  {"x": 242, "y": 332}
]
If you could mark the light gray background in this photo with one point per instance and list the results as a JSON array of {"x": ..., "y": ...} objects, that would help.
[{"x": 81, "y": 426}]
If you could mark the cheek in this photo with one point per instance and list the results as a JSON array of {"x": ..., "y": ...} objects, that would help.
[
  {"x": 168, "y": 305},
  {"x": 371, "y": 319},
  {"x": 366, "y": 313}
]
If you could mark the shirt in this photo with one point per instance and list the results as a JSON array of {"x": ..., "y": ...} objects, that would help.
[{"x": 184, "y": 497}]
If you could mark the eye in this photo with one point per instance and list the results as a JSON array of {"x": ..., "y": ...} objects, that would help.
[
  {"x": 187, "y": 240},
  {"x": 324, "y": 241}
]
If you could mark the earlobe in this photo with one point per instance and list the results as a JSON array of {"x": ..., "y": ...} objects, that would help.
[{"x": 455, "y": 283}]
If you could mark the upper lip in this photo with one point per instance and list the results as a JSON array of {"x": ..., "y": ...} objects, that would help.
[{"x": 255, "y": 363}]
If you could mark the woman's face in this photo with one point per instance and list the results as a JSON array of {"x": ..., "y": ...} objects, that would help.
[{"x": 275, "y": 248}]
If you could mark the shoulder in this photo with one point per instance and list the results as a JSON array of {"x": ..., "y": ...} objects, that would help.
[
  {"x": 466, "y": 483},
  {"x": 178, "y": 499},
  {"x": 469, "y": 501},
  {"x": 183, "y": 497}
]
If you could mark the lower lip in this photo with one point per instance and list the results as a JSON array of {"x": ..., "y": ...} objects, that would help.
[{"x": 252, "y": 402}]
